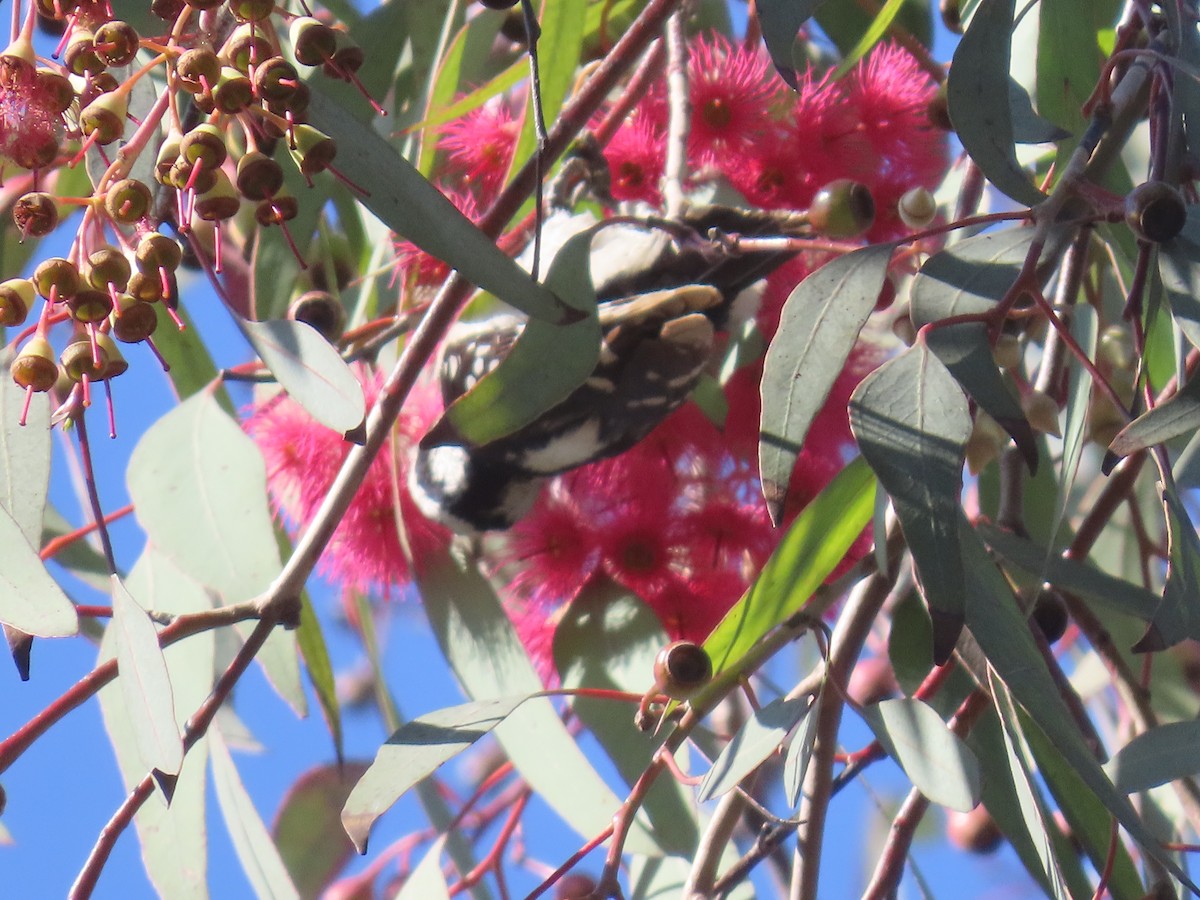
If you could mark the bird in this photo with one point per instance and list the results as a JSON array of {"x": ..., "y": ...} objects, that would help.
[{"x": 664, "y": 290}]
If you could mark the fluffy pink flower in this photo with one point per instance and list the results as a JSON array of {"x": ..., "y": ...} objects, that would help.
[
  {"x": 556, "y": 548},
  {"x": 480, "y": 145},
  {"x": 635, "y": 160},
  {"x": 302, "y": 458},
  {"x": 30, "y": 125},
  {"x": 431, "y": 271},
  {"x": 732, "y": 93}
]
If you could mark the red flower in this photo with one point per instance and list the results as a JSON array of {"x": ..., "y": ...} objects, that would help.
[
  {"x": 732, "y": 93},
  {"x": 480, "y": 145},
  {"x": 635, "y": 160}
]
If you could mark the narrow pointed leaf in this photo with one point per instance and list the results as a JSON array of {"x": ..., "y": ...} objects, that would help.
[
  {"x": 30, "y": 600},
  {"x": 1003, "y": 635},
  {"x": 309, "y": 368},
  {"x": 1179, "y": 415},
  {"x": 251, "y": 840},
  {"x": 978, "y": 97},
  {"x": 799, "y": 754},
  {"x": 419, "y": 212},
  {"x": 546, "y": 363},
  {"x": 818, "y": 328},
  {"x": 1178, "y": 614},
  {"x": 1158, "y": 756},
  {"x": 1179, "y": 269},
  {"x": 780, "y": 21},
  {"x": 754, "y": 742},
  {"x": 1084, "y": 328},
  {"x": 911, "y": 422},
  {"x": 146, "y": 684},
  {"x": 1028, "y": 126},
  {"x": 816, "y": 542},
  {"x": 415, "y": 751},
  {"x": 935, "y": 760}
]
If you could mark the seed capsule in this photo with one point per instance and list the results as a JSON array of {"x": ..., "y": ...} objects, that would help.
[
  {"x": 681, "y": 668},
  {"x": 35, "y": 367},
  {"x": 16, "y": 297},
  {"x": 35, "y": 214}
]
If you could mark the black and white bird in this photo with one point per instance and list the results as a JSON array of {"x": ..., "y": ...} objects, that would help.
[{"x": 664, "y": 293}]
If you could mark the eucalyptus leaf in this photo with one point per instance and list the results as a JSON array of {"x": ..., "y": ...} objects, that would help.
[
  {"x": 30, "y": 600},
  {"x": 977, "y": 92},
  {"x": 415, "y": 751},
  {"x": 1028, "y": 126},
  {"x": 1177, "y": 416},
  {"x": 146, "y": 684},
  {"x": 757, "y": 739},
  {"x": 911, "y": 421},
  {"x": 799, "y": 755},
  {"x": 780, "y": 21},
  {"x": 1178, "y": 614},
  {"x": 308, "y": 367},
  {"x": 1179, "y": 269},
  {"x": 818, "y": 329},
  {"x": 935, "y": 760},
  {"x": 426, "y": 881},
  {"x": 308, "y": 827},
  {"x": 1159, "y": 756},
  {"x": 24, "y": 456}
]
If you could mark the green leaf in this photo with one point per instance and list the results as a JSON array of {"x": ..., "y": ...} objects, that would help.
[
  {"x": 251, "y": 840},
  {"x": 1071, "y": 575},
  {"x": 311, "y": 642},
  {"x": 426, "y": 881},
  {"x": 909, "y": 643},
  {"x": 200, "y": 488},
  {"x": 1084, "y": 329},
  {"x": 935, "y": 759},
  {"x": 607, "y": 639},
  {"x": 799, "y": 754},
  {"x": 1159, "y": 756},
  {"x": 818, "y": 329},
  {"x": 1002, "y": 633},
  {"x": 780, "y": 21},
  {"x": 970, "y": 277},
  {"x": 1179, "y": 269},
  {"x": 977, "y": 92},
  {"x": 816, "y": 542},
  {"x": 1028, "y": 126},
  {"x": 911, "y": 422},
  {"x": 1178, "y": 614},
  {"x": 24, "y": 456},
  {"x": 482, "y": 647},
  {"x": 413, "y": 752},
  {"x": 308, "y": 827},
  {"x": 1177, "y": 416},
  {"x": 546, "y": 363},
  {"x": 309, "y": 368},
  {"x": 757, "y": 739},
  {"x": 145, "y": 684},
  {"x": 419, "y": 212},
  {"x": 30, "y": 600},
  {"x": 173, "y": 839},
  {"x": 873, "y": 35}
]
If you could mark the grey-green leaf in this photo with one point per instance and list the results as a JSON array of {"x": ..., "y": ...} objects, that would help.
[
  {"x": 145, "y": 684},
  {"x": 978, "y": 95},
  {"x": 1178, "y": 614},
  {"x": 1158, "y": 756},
  {"x": 911, "y": 421},
  {"x": 799, "y": 754},
  {"x": 414, "y": 751},
  {"x": 780, "y": 21},
  {"x": 935, "y": 760},
  {"x": 310, "y": 370},
  {"x": 818, "y": 328},
  {"x": 416, "y": 210},
  {"x": 426, "y": 881},
  {"x": 308, "y": 828},
  {"x": 756, "y": 740},
  {"x": 24, "y": 456},
  {"x": 1177, "y": 416},
  {"x": 30, "y": 600}
]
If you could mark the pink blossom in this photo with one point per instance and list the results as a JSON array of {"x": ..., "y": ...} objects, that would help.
[
  {"x": 635, "y": 160},
  {"x": 732, "y": 94},
  {"x": 480, "y": 145}
]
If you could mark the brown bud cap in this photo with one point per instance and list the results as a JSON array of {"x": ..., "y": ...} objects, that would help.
[
  {"x": 277, "y": 209},
  {"x": 198, "y": 70},
  {"x": 105, "y": 117},
  {"x": 57, "y": 10},
  {"x": 117, "y": 43},
  {"x": 81, "y": 57},
  {"x": 16, "y": 298},
  {"x": 157, "y": 251},
  {"x": 322, "y": 311},
  {"x": 313, "y": 150},
  {"x": 35, "y": 214},
  {"x": 95, "y": 85},
  {"x": 258, "y": 176},
  {"x": 114, "y": 361},
  {"x": 1050, "y": 613},
  {"x": 108, "y": 266},
  {"x": 167, "y": 10},
  {"x": 842, "y": 209},
  {"x": 203, "y": 5},
  {"x": 498, "y": 4},
  {"x": 276, "y": 80},
  {"x": 1042, "y": 412},
  {"x": 347, "y": 58},
  {"x": 35, "y": 366},
  {"x": 89, "y": 306},
  {"x": 1156, "y": 211},
  {"x": 220, "y": 202},
  {"x": 681, "y": 668},
  {"x": 247, "y": 47},
  {"x": 58, "y": 276},
  {"x": 56, "y": 89},
  {"x": 145, "y": 286},
  {"x": 78, "y": 362},
  {"x": 951, "y": 12},
  {"x": 133, "y": 320},
  {"x": 185, "y": 175},
  {"x": 575, "y": 886},
  {"x": 204, "y": 146},
  {"x": 128, "y": 201},
  {"x": 313, "y": 42},
  {"x": 168, "y": 152},
  {"x": 234, "y": 91}
]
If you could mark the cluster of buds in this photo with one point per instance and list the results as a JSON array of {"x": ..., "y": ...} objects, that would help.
[{"x": 230, "y": 98}]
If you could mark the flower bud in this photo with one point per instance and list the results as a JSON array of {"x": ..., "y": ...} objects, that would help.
[
  {"x": 917, "y": 208},
  {"x": 1155, "y": 211},
  {"x": 104, "y": 117},
  {"x": 117, "y": 43},
  {"x": 35, "y": 367},
  {"x": 681, "y": 668},
  {"x": 16, "y": 297},
  {"x": 842, "y": 209},
  {"x": 79, "y": 363},
  {"x": 133, "y": 320},
  {"x": 56, "y": 276},
  {"x": 313, "y": 42},
  {"x": 107, "y": 267},
  {"x": 258, "y": 176},
  {"x": 80, "y": 56},
  {"x": 198, "y": 70},
  {"x": 128, "y": 201},
  {"x": 322, "y": 311}
]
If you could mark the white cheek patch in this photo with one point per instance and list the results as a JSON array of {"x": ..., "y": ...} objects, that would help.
[{"x": 565, "y": 451}]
